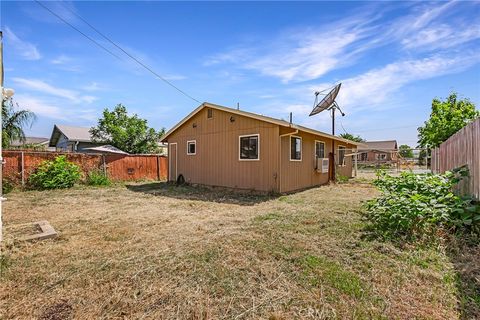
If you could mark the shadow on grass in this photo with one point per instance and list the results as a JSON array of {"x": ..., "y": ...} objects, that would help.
[
  {"x": 202, "y": 193},
  {"x": 466, "y": 260}
]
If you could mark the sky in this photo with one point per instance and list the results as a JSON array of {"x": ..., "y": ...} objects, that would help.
[{"x": 392, "y": 59}]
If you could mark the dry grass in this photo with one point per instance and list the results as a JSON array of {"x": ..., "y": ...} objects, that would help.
[{"x": 154, "y": 251}]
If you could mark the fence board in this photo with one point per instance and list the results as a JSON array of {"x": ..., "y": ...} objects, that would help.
[
  {"x": 117, "y": 167},
  {"x": 463, "y": 148}
]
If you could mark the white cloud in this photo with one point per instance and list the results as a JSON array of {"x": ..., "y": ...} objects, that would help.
[
  {"x": 26, "y": 50},
  {"x": 45, "y": 88},
  {"x": 40, "y": 107},
  {"x": 61, "y": 59}
]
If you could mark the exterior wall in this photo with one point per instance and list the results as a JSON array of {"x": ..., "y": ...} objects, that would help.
[
  {"x": 216, "y": 161},
  {"x": 302, "y": 174}
]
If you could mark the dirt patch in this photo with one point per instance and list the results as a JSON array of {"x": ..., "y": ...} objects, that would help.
[{"x": 61, "y": 310}]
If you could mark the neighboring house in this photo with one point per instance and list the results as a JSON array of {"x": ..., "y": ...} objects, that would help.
[
  {"x": 220, "y": 146},
  {"x": 378, "y": 151},
  {"x": 71, "y": 139},
  {"x": 35, "y": 143}
]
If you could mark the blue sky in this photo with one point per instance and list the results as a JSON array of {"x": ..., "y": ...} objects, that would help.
[{"x": 391, "y": 57}]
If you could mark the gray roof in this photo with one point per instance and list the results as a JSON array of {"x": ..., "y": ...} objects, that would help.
[
  {"x": 106, "y": 149},
  {"x": 379, "y": 145},
  {"x": 72, "y": 133},
  {"x": 29, "y": 141}
]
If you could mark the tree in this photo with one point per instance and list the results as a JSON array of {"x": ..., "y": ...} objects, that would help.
[
  {"x": 446, "y": 118},
  {"x": 13, "y": 122},
  {"x": 128, "y": 133},
  {"x": 405, "y": 151},
  {"x": 351, "y": 137}
]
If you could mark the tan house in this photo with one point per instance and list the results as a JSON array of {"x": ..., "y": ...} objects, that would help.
[
  {"x": 220, "y": 146},
  {"x": 378, "y": 151}
]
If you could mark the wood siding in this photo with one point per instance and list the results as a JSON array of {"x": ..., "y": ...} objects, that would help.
[
  {"x": 463, "y": 148},
  {"x": 216, "y": 161},
  {"x": 302, "y": 174}
]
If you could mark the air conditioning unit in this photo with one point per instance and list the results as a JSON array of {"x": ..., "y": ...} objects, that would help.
[{"x": 322, "y": 165}]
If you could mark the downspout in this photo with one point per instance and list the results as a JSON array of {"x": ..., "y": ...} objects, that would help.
[{"x": 76, "y": 145}]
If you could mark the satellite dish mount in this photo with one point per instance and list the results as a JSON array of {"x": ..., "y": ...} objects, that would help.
[{"x": 328, "y": 103}]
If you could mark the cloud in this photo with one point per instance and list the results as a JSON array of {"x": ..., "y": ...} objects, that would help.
[
  {"x": 61, "y": 59},
  {"x": 45, "y": 88},
  {"x": 40, "y": 107},
  {"x": 26, "y": 50},
  {"x": 93, "y": 86},
  {"x": 174, "y": 77}
]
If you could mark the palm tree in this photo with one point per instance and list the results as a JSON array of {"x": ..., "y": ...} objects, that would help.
[{"x": 14, "y": 120}]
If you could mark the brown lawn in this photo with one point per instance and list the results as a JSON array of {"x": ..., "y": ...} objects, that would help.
[{"x": 155, "y": 251}]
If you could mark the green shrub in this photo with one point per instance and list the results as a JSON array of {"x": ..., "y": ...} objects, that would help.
[
  {"x": 341, "y": 178},
  {"x": 420, "y": 206},
  {"x": 7, "y": 186},
  {"x": 55, "y": 174},
  {"x": 97, "y": 178}
]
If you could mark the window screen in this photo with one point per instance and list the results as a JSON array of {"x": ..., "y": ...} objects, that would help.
[
  {"x": 341, "y": 155},
  {"x": 209, "y": 113},
  {"x": 295, "y": 148},
  {"x": 320, "y": 149},
  {"x": 191, "y": 147},
  {"x": 249, "y": 147}
]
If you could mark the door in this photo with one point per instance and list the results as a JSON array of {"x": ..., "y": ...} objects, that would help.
[{"x": 172, "y": 164}]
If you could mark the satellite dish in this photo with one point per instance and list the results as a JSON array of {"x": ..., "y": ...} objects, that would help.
[{"x": 327, "y": 101}]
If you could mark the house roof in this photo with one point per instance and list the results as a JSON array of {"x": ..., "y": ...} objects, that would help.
[
  {"x": 258, "y": 117},
  {"x": 379, "y": 145},
  {"x": 29, "y": 141},
  {"x": 72, "y": 133},
  {"x": 106, "y": 149}
]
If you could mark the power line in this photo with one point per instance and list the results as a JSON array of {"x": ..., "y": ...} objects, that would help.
[
  {"x": 116, "y": 45},
  {"x": 76, "y": 29}
]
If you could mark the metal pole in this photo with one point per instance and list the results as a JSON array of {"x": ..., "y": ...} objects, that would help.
[
  {"x": 1, "y": 122},
  {"x": 333, "y": 144},
  {"x": 23, "y": 169}
]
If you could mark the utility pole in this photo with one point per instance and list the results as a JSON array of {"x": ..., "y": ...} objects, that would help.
[{"x": 333, "y": 145}]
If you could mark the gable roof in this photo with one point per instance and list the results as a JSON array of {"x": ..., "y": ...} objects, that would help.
[
  {"x": 72, "y": 133},
  {"x": 279, "y": 122},
  {"x": 379, "y": 145}
]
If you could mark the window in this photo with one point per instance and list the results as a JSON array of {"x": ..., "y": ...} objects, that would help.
[
  {"x": 341, "y": 155},
  {"x": 209, "y": 113},
  {"x": 295, "y": 148},
  {"x": 191, "y": 147},
  {"x": 381, "y": 156},
  {"x": 249, "y": 147},
  {"x": 319, "y": 149}
]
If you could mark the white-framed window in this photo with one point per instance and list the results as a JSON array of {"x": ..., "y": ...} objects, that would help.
[
  {"x": 192, "y": 147},
  {"x": 341, "y": 155},
  {"x": 249, "y": 147},
  {"x": 319, "y": 149},
  {"x": 295, "y": 148},
  {"x": 381, "y": 156}
]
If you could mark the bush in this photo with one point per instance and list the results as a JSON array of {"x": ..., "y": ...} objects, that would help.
[
  {"x": 55, "y": 174},
  {"x": 7, "y": 186},
  {"x": 420, "y": 206},
  {"x": 97, "y": 178}
]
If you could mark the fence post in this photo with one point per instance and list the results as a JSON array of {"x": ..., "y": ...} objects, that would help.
[
  {"x": 22, "y": 168},
  {"x": 104, "y": 165},
  {"x": 158, "y": 168}
]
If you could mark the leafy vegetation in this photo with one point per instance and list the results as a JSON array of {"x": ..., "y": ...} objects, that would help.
[
  {"x": 405, "y": 151},
  {"x": 446, "y": 118},
  {"x": 128, "y": 133},
  {"x": 351, "y": 137},
  {"x": 97, "y": 178},
  {"x": 7, "y": 186},
  {"x": 55, "y": 174},
  {"x": 419, "y": 207},
  {"x": 13, "y": 122}
]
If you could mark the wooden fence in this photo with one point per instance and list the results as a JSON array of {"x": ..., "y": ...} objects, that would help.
[
  {"x": 20, "y": 164},
  {"x": 463, "y": 148}
]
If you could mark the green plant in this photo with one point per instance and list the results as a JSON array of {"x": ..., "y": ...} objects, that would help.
[
  {"x": 341, "y": 178},
  {"x": 55, "y": 174},
  {"x": 97, "y": 178},
  {"x": 13, "y": 122},
  {"x": 7, "y": 186},
  {"x": 420, "y": 206}
]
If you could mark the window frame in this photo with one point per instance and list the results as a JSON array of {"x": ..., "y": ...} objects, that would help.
[
  {"x": 240, "y": 146},
  {"x": 301, "y": 148},
  {"x": 345, "y": 151},
  {"x": 188, "y": 150},
  {"x": 324, "y": 145},
  {"x": 209, "y": 112}
]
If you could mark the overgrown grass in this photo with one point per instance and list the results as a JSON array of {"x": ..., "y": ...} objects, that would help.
[{"x": 159, "y": 251}]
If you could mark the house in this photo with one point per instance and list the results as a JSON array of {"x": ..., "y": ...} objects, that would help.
[
  {"x": 35, "y": 143},
  {"x": 378, "y": 151},
  {"x": 220, "y": 146},
  {"x": 71, "y": 139}
]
